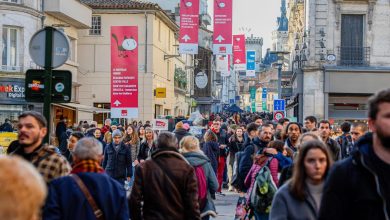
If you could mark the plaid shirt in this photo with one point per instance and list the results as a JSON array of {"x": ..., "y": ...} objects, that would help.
[{"x": 49, "y": 163}]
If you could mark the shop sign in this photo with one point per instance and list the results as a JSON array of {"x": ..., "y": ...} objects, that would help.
[
  {"x": 11, "y": 90},
  {"x": 160, "y": 124}
]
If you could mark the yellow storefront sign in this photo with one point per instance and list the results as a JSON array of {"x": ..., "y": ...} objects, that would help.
[
  {"x": 161, "y": 92},
  {"x": 7, "y": 137}
]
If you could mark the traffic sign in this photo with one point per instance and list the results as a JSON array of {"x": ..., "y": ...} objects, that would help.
[
  {"x": 61, "y": 90},
  {"x": 60, "y": 51},
  {"x": 278, "y": 115},
  {"x": 279, "y": 105},
  {"x": 264, "y": 93}
]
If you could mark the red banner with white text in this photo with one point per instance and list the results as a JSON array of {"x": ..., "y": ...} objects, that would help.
[
  {"x": 124, "y": 72},
  {"x": 239, "y": 55},
  {"x": 222, "y": 38},
  {"x": 189, "y": 26}
]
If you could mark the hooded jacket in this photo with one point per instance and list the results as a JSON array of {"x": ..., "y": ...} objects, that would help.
[
  {"x": 354, "y": 189},
  {"x": 180, "y": 133},
  {"x": 199, "y": 159}
]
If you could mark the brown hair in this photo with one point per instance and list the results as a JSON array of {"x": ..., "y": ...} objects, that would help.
[
  {"x": 210, "y": 136},
  {"x": 374, "y": 101},
  {"x": 297, "y": 184},
  {"x": 278, "y": 145},
  {"x": 134, "y": 136}
]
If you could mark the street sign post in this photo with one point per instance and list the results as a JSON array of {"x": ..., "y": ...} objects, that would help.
[
  {"x": 48, "y": 48},
  {"x": 278, "y": 115},
  {"x": 279, "y": 105}
]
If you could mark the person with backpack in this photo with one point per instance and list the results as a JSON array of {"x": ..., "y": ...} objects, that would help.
[
  {"x": 262, "y": 181},
  {"x": 345, "y": 139},
  {"x": 300, "y": 198},
  {"x": 207, "y": 180}
]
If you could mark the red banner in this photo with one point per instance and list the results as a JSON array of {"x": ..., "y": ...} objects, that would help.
[
  {"x": 189, "y": 26},
  {"x": 124, "y": 72},
  {"x": 239, "y": 55},
  {"x": 223, "y": 11}
]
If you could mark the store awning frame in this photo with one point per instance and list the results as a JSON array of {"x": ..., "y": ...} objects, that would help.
[{"x": 83, "y": 108}]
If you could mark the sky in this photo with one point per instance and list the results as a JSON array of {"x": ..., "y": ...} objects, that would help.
[{"x": 257, "y": 15}]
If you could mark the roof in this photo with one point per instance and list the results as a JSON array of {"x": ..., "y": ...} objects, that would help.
[{"x": 120, "y": 4}]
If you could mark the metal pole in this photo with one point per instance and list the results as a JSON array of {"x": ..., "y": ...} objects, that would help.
[
  {"x": 48, "y": 79},
  {"x": 279, "y": 81}
]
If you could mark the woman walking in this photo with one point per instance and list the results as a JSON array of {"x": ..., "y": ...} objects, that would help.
[
  {"x": 208, "y": 183},
  {"x": 300, "y": 198},
  {"x": 147, "y": 146}
]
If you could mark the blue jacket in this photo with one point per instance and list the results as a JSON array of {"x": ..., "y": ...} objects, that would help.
[
  {"x": 356, "y": 187},
  {"x": 67, "y": 202},
  {"x": 118, "y": 164}
]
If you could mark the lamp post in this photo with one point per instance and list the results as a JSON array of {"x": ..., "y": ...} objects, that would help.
[{"x": 280, "y": 55}]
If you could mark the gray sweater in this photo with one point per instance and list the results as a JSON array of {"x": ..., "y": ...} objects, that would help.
[{"x": 286, "y": 206}]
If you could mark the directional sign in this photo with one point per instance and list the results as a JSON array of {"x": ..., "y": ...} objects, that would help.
[
  {"x": 278, "y": 115},
  {"x": 222, "y": 38},
  {"x": 189, "y": 26},
  {"x": 239, "y": 52},
  {"x": 279, "y": 105},
  {"x": 250, "y": 63},
  {"x": 264, "y": 93}
]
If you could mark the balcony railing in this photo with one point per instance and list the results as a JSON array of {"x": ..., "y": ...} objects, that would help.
[
  {"x": 354, "y": 56},
  {"x": 4, "y": 68}
]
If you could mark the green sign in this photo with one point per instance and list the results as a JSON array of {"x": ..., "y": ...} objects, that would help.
[
  {"x": 61, "y": 89},
  {"x": 252, "y": 91},
  {"x": 264, "y": 105},
  {"x": 253, "y": 106}
]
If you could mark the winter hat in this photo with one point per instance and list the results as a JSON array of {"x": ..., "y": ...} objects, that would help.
[
  {"x": 186, "y": 126},
  {"x": 117, "y": 133},
  {"x": 179, "y": 125}
]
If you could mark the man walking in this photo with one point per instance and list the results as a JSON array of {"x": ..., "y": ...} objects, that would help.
[
  {"x": 32, "y": 128},
  {"x": 358, "y": 187},
  {"x": 324, "y": 132},
  {"x": 165, "y": 187},
  {"x": 117, "y": 159},
  {"x": 67, "y": 199},
  {"x": 345, "y": 140}
]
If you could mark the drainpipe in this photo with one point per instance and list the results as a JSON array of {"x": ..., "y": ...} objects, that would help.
[
  {"x": 43, "y": 13},
  {"x": 146, "y": 42}
]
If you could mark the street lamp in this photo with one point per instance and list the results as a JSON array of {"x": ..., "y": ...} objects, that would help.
[{"x": 280, "y": 55}]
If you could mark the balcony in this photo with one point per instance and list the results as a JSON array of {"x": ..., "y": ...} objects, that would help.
[
  {"x": 10, "y": 69},
  {"x": 70, "y": 11},
  {"x": 353, "y": 56}
]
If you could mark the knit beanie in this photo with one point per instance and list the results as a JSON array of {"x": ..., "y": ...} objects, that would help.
[{"x": 117, "y": 132}]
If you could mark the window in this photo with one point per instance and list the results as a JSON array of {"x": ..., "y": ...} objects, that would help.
[
  {"x": 72, "y": 52},
  {"x": 10, "y": 47},
  {"x": 101, "y": 117},
  {"x": 96, "y": 25}
]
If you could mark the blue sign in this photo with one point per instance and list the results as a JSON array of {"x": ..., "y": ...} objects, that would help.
[
  {"x": 238, "y": 98},
  {"x": 251, "y": 60},
  {"x": 264, "y": 93},
  {"x": 279, "y": 105},
  {"x": 231, "y": 101}
]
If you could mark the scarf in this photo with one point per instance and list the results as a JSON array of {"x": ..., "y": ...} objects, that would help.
[{"x": 91, "y": 166}]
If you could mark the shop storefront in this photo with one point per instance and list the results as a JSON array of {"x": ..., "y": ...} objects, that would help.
[{"x": 12, "y": 99}]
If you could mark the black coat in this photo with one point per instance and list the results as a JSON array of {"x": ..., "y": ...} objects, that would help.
[
  {"x": 356, "y": 188},
  {"x": 180, "y": 133},
  {"x": 145, "y": 151},
  {"x": 211, "y": 150},
  {"x": 118, "y": 164}
]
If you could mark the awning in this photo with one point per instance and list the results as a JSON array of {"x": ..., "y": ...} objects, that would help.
[{"x": 83, "y": 108}]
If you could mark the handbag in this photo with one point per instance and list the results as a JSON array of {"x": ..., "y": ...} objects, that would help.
[{"x": 98, "y": 212}]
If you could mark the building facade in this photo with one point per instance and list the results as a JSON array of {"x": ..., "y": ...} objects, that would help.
[
  {"x": 339, "y": 55},
  {"x": 157, "y": 57},
  {"x": 20, "y": 20}
]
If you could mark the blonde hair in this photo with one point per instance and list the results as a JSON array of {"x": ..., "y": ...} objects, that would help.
[
  {"x": 23, "y": 190},
  {"x": 189, "y": 144}
]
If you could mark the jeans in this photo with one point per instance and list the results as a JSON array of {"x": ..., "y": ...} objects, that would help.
[
  {"x": 261, "y": 216},
  {"x": 132, "y": 177}
]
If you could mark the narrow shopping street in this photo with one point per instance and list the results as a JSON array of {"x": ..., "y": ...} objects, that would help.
[{"x": 226, "y": 205}]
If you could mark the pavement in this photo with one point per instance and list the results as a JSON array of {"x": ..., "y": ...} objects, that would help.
[{"x": 226, "y": 205}]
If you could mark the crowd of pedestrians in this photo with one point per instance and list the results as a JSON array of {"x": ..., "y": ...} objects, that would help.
[{"x": 280, "y": 170}]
